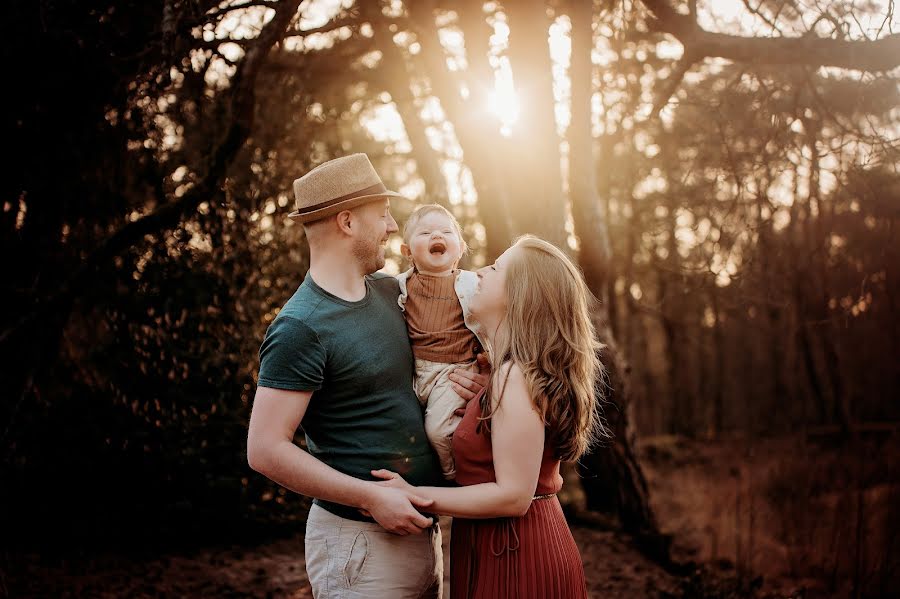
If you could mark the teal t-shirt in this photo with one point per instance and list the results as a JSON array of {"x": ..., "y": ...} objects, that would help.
[{"x": 356, "y": 358}]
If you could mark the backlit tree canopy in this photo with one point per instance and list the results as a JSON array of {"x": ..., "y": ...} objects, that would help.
[{"x": 725, "y": 173}]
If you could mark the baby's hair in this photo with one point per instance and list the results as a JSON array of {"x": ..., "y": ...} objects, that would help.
[{"x": 421, "y": 211}]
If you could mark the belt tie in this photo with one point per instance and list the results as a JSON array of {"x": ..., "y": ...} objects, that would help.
[{"x": 509, "y": 537}]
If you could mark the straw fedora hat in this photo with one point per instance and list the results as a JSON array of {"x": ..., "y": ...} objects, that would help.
[{"x": 337, "y": 185}]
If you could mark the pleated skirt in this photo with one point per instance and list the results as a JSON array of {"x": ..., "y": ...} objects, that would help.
[{"x": 530, "y": 557}]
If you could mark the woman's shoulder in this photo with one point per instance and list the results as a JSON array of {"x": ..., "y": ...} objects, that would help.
[
  {"x": 513, "y": 388},
  {"x": 509, "y": 370}
]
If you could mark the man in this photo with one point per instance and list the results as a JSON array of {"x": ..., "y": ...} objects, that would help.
[{"x": 337, "y": 359}]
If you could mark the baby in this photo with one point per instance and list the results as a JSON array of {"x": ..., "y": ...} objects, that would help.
[{"x": 434, "y": 297}]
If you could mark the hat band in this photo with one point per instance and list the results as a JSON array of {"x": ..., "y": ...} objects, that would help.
[{"x": 368, "y": 191}]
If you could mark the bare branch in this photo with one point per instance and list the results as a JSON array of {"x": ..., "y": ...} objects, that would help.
[
  {"x": 670, "y": 86},
  {"x": 865, "y": 55},
  {"x": 839, "y": 28},
  {"x": 214, "y": 44},
  {"x": 888, "y": 19},
  {"x": 759, "y": 13},
  {"x": 351, "y": 20},
  {"x": 242, "y": 6}
]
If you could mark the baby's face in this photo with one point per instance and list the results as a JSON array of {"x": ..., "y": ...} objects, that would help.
[{"x": 435, "y": 245}]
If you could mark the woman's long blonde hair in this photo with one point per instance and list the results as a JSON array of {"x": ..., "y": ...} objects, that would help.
[{"x": 550, "y": 337}]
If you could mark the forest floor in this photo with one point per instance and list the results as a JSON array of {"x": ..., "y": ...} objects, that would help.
[
  {"x": 614, "y": 569},
  {"x": 715, "y": 498}
]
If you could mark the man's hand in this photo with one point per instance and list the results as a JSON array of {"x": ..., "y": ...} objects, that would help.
[
  {"x": 468, "y": 383},
  {"x": 395, "y": 510}
]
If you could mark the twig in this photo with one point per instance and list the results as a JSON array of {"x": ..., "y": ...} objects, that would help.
[
  {"x": 888, "y": 19},
  {"x": 758, "y": 12},
  {"x": 688, "y": 60}
]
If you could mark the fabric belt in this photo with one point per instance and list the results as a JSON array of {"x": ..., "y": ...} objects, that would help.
[
  {"x": 351, "y": 513},
  {"x": 342, "y": 511}
]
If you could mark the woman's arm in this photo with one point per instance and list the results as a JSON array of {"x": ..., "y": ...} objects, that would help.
[{"x": 517, "y": 437}]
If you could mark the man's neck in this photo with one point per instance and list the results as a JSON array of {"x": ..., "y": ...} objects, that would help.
[{"x": 332, "y": 273}]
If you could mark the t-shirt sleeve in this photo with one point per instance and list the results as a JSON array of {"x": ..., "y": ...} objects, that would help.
[{"x": 291, "y": 357}]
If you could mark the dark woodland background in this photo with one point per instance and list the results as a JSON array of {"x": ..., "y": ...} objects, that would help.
[{"x": 726, "y": 174}]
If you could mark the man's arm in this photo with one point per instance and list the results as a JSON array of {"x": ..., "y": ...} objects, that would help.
[{"x": 271, "y": 451}]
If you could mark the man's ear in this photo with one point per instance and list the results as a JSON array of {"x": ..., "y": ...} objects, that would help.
[
  {"x": 404, "y": 249},
  {"x": 345, "y": 221}
]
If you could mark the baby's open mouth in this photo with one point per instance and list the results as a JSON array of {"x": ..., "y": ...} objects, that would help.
[{"x": 438, "y": 247}]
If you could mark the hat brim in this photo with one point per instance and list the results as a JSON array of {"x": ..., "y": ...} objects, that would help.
[{"x": 313, "y": 215}]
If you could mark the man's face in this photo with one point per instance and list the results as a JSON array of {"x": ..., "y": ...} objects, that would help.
[{"x": 376, "y": 225}]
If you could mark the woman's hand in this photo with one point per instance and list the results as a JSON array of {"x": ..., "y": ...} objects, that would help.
[
  {"x": 468, "y": 383},
  {"x": 393, "y": 480}
]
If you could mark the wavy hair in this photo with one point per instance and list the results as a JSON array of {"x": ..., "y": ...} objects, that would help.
[{"x": 551, "y": 338}]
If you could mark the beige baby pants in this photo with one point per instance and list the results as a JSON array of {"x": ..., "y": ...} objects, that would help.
[{"x": 435, "y": 391}]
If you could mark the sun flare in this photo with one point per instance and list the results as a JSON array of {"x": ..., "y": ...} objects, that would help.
[
  {"x": 505, "y": 104},
  {"x": 503, "y": 100}
]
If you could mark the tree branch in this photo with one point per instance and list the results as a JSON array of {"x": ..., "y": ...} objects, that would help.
[
  {"x": 352, "y": 20},
  {"x": 759, "y": 13},
  {"x": 244, "y": 5},
  {"x": 242, "y": 99},
  {"x": 809, "y": 50},
  {"x": 670, "y": 85}
]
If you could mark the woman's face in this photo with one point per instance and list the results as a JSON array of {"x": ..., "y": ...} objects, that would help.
[{"x": 489, "y": 302}]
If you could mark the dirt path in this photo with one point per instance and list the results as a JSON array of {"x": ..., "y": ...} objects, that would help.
[
  {"x": 771, "y": 511},
  {"x": 614, "y": 569}
]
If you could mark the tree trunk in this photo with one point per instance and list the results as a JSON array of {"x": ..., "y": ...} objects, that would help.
[
  {"x": 718, "y": 378},
  {"x": 473, "y": 133},
  {"x": 799, "y": 214},
  {"x": 611, "y": 476},
  {"x": 671, "y": 350},
  {"x": 396, "y": 82},
  {"x": 820, "y": 283},
  {"x": 771, "y": 299},
  {"x": 533, "y": 172}
]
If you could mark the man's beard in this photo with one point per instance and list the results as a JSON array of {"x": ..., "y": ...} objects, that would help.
[{"x": 369, "y": 254}]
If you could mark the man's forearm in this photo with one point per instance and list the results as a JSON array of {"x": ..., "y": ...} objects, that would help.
[{"x": 297, "y": 470}]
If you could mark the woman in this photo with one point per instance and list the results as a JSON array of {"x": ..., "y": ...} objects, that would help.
[{"x": 509, "y": 535}]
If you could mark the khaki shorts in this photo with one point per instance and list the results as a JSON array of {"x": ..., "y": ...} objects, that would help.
[{"x": 346, "y": 559}]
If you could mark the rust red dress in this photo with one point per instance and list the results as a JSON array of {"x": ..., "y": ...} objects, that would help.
[{"x": 529, "y": 557}]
